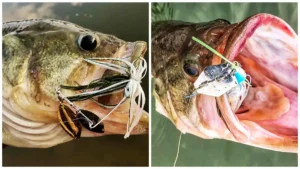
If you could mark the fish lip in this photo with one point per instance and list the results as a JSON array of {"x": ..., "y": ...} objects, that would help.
[{"x": 134, "y": 50}]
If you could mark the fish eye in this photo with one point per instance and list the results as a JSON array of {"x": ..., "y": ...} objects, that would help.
[
  {"x": 191, "y": 70},
  {"x": 224, "y": 65},
  {"x": 87, "y": 42}
]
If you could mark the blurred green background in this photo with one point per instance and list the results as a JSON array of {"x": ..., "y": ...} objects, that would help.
[
  {"x": 195, "y": 151},
  {"x": 128, "y": 21}
]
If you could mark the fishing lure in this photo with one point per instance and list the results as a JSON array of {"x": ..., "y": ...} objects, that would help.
[
  {"x": 128, "y": 82},
  {"x": 71, "y": 120},
  {"x": 216, "y": 80}
]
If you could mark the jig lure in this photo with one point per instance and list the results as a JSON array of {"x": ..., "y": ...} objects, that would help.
[{"x": 216, "y": 80}]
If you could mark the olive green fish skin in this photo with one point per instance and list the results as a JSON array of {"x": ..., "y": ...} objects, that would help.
[
  {"x": 40, "y": 55},
  {"x": 172, "y": 48},
  {"x": 48, "y": 48}
]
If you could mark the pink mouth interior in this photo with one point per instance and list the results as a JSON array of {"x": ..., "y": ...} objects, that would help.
[{"x": 266, "y": 48}]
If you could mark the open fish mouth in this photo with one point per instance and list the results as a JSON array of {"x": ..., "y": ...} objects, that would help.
[{"x": 266, "y": 48}]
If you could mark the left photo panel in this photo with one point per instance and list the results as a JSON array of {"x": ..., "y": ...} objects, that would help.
[{"x": 75, "y": 84}]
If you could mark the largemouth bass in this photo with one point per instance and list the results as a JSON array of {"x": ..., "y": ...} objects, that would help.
[
  {"x": 39, "y": 56},
  {"x": 266, "y": 48}
]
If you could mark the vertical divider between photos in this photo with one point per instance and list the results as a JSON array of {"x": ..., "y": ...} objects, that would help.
[
  {"x": 150, "y": 83},
  {"x": 1, "y": 82}
]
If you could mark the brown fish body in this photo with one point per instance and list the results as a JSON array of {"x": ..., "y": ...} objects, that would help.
[
  {"x": 38, "y": 56},
  {"x": 263, "y": 120}
]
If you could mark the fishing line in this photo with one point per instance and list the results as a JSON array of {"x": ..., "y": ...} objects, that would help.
[
  {"x": 178, "y": 148},
  {"x": 93, "y": 126},
  {"x": 213, "y": 51}
]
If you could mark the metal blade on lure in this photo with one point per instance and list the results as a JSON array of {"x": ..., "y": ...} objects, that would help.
[{"x": 68, "y": 122}]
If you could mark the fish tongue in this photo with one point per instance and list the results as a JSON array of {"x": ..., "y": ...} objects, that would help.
[{"x": 238, "y": 130}]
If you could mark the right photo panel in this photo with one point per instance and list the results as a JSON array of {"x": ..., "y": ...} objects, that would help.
[{"x": 224, "y": 84}]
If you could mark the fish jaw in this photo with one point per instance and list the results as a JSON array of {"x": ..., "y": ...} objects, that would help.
[
  {"x": 30, "y": 123},
  {"x": 268, "y": 116}
]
